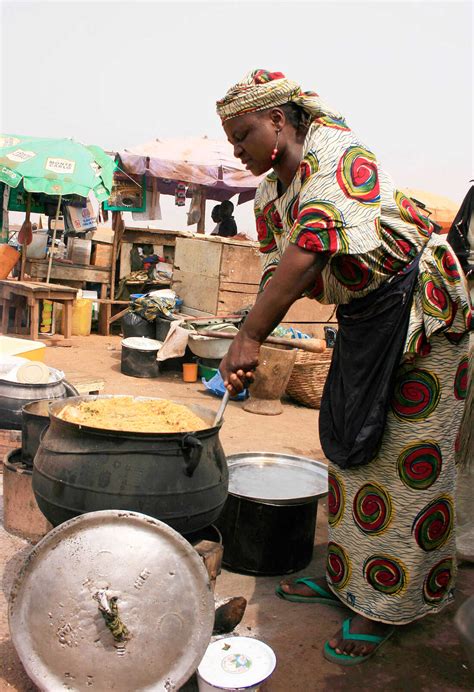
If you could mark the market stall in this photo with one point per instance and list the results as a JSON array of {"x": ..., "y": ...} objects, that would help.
[
  {"x": 216, "y": 276},
  {"x": 195, "y": 167},
  {"x": 52, "y": 176}
]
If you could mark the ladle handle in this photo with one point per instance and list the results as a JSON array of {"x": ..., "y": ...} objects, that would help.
[{"x": 221, "y": 409}]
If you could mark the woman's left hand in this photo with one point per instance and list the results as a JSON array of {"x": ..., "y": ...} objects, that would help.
[{"x": 237, "y": 367}]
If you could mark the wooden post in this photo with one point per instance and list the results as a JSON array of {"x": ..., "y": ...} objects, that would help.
[
  {"x": 5, "y": 314},
  {"x": 53, "y": 241},
  {"x": 34, "y": 317},
  {"x": 67, "y": 312},
  {"x": 118, "y": 226},
  {"x": 23, "y": 261},
  {"x": 24, "y": 245},
  {"x": 202, "y": 219}
]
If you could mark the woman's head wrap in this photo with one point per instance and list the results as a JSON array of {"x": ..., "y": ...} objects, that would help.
[{"x": 261, "y": 89}]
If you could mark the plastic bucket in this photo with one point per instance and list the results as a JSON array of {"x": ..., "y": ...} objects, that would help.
[
  {"x": 190, "y": 372},
  {"x": 37, "y": 249},
  {"x": 205, "y": 371},
  {"x": 8, "y": 258},
  {"x": 81, "y": 317},
  {"x": 235, "y": 663}
]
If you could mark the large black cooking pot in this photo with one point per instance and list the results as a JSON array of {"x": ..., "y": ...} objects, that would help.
[
  {"x": 15, "y": 395},
  {"x": 269, "y": 519},
  {"x": 179, "y": 478},
  {"x": 34, "y": 421}
]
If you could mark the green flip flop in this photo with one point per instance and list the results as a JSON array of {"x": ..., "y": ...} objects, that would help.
[
  {"x": 321, "y": 595},
  {"x": 346, "y": 659}
]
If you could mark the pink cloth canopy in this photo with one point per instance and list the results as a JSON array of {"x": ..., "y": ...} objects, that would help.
[{"x": 193, "y": 160}]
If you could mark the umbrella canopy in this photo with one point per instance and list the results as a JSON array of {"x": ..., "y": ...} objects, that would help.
[
  {"x": 442, "y": 209},
  {"x": 194, "y": 160},
  {"x": 55, "y": 166}
]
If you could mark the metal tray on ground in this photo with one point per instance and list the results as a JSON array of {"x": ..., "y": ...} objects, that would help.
[{"x": 163, "y": 600}]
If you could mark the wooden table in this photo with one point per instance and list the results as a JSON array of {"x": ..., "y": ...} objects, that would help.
[
  {"x": 38, "y": 269},
  {"x": 33, "y": 292}
]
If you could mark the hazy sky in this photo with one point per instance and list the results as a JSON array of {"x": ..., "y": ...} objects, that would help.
[{"x": 120, "y": 73}]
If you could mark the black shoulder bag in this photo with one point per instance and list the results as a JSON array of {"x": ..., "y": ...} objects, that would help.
[{"x": 368, "y": 349}]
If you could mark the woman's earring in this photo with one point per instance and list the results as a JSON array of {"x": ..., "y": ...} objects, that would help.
[{"x": 275, "y": 151}]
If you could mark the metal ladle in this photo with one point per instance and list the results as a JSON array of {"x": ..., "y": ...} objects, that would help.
[{"x": 221, "y": 409}]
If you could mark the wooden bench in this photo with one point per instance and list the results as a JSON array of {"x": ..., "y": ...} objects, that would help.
[
  {"x": 33, "y": 292},
  {"x": 85, "y": 384},
  {"x": 106, "y": 316}
]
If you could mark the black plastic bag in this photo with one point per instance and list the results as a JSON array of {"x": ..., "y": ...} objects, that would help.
[{"x": 134, "y": 325}]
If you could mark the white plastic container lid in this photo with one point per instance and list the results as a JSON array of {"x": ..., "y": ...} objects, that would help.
[
  {"x": 142, "y": 343},
  {"x": 34, "y": 372},
  {"x": 237, "y": 663}
]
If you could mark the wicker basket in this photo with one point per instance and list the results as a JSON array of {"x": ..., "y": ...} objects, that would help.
[{"x": 308, "y": 377}]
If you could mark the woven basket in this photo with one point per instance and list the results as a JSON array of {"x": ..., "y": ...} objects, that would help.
[{"x": 308, "y": 377}]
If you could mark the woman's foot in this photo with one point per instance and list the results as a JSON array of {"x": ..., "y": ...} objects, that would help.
[
  {"x": 307, "y": 590},
  {"x": 362, "y": 626},
  {"x": 295, "y": 587}
]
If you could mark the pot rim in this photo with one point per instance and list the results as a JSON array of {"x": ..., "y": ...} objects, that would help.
[
  {"x": 201, "y": 411},
  {"x": 26, "y": 409},
  {"x": 262, "y": 459},
  {"x": 42, "y": 385}
]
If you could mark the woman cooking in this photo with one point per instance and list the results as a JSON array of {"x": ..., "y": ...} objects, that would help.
[{"x": 332, "y": 226}]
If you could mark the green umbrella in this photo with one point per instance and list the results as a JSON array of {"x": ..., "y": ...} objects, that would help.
[{"x": 55, "y": 167}]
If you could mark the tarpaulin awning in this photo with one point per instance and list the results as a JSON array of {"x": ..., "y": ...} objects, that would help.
[{"x": 209, "y": 163}]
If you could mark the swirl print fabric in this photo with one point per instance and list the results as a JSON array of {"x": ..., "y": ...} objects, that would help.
[
  {"x": 391, "y": 552},
  {"x": 341, "y": 203},
  {"x": 391, "y": 523}
]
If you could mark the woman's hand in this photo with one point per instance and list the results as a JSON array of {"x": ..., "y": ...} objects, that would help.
[{"x": 237, "y": 368}]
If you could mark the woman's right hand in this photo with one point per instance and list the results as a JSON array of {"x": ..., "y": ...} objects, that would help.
[{"x": 237, "y": 367}]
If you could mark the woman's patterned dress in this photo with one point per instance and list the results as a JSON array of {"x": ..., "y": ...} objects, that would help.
[{"x": 391, "y": 549}]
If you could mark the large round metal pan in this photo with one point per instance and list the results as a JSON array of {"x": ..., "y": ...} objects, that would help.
[{"x": 163, "y": 600}]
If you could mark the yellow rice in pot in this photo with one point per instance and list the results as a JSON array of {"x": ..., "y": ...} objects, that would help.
[{"x": 133, "y": 415}]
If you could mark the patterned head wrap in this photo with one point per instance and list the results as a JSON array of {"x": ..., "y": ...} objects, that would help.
[{"x": 261, "y": 89}]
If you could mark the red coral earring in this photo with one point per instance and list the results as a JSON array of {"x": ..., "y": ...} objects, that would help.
[{"x": 275, "y": 151}]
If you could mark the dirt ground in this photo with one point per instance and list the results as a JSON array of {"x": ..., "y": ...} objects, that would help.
[{"x": 424, "y": 656}]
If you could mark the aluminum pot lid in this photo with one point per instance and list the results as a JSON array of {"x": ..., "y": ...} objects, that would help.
[
  {"x": 111, "y": 600},
  {"x": 142, "y": 343},
  {"x": 237, "y": 663},
  {"x": 281, "y": 479}
]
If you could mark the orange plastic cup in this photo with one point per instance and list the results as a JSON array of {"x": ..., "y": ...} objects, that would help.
[{"x": 190, "y": 372}]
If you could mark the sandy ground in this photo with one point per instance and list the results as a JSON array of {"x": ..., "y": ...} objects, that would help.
[{"x": 424, "y": 656}]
